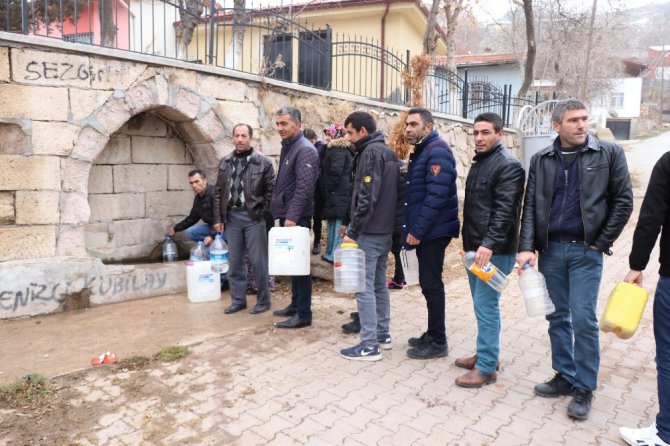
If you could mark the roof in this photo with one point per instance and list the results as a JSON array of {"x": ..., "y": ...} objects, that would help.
[{"x": 469, "y": 60}]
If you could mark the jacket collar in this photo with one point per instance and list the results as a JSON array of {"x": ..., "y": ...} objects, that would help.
[
  {"x": 362, "y": 143},
  {"x": 430, "y": 137},
  {"x": 591, "y": 144},
  {"x": 482, "y": 156},
  {"x": 288, "y": 143},
  {"x": 254, "y": 157}
]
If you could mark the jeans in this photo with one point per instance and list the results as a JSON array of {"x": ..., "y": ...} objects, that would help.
[
  {"x": 333, "y": 237},
  {"x": 301, "y": 286},
  {"x": 573, "y": 272},
  {"x": 662, "y": 336},
  {"x": 396, "y": 247},
  {"x": 374, "y": 307},
  {"x": 247, "y": 237},
  {"x": 487, "y": 311},
  {"x": 197, "y": 233},
  {"x": 431, "y": 263}
]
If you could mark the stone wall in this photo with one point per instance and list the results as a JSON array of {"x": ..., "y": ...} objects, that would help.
[{"x": 95, "y": 145}]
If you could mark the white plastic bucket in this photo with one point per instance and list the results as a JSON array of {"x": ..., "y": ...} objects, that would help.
[
  {"x": 410, "y": 266},
  {"x": 288, "y": 251},
  {"x": 349, "y": 269},
  {"x": 202, "y": 284}
]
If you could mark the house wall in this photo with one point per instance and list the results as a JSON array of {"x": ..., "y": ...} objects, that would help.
[
  {"x": 602, "y": 108},
  {"x": 497, "y": 74}
]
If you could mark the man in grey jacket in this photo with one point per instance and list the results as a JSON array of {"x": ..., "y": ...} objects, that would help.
[{"x": 370, "y": 224}]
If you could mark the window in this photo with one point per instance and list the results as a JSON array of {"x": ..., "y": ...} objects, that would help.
[
  {"x": 79, "y": 38},
  {"x": 616, "y": 100}
]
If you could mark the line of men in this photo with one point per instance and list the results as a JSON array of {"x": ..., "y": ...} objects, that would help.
[{"x": 578, "y": 198}]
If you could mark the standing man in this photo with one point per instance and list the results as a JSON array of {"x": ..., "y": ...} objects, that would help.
[
  {"x": 292, "y": 203},
  {"x": 431, "y": 221},
  {"x": 493, "y": 194},
  {"x": 578, "y": 200},
  {"x": 203, "y": 209},
  {"x": 654, "y": 218},
  {"x": 241, "y": 204},
  {"x": 370, "y": 223}
]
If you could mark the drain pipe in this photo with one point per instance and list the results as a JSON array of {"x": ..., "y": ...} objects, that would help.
[{"x": 383, "y": 49}]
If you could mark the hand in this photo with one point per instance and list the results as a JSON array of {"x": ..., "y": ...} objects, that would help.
[
  {"x": 170, "y": 231},
  {"x": 524, "y": 257},
  {"x": 411, "y": 240},
  {"x": 208, "y": 240},
  {"x": 289, "y": 223},
  {"x": 347, "y": 239},
  {"x": 342, "y": 230},
  {"x": 594, "y": 247},
  {"x": 219, "y": 227},
  {"x": 634, "y": 276},
  {"x": 483, "y": 256}
]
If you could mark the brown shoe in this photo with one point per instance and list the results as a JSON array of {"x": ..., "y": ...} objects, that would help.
[
  {"x": 476, "y": 378},
  {"x": 469, "y": 363}
]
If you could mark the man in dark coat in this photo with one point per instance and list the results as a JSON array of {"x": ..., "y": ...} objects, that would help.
[{"x": 203, "y": 209}]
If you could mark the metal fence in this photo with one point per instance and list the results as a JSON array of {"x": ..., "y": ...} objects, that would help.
[{"x": 270, "y": 42}]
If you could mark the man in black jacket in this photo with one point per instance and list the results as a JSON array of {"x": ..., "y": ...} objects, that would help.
[
  {"x": 203, "y": 205},
  {"x": 493, "y": 194},
  {"x": 241, "y": 204},
  {"x": 370, "y": 223},
  {"x": 655, "y": 218},
  {"x": 578, "y": 200}
]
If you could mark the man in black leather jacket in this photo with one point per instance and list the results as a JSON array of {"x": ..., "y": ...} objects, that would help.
[
  {"x": 578, "y": 200},
  {"x": 493, "y": 194}
]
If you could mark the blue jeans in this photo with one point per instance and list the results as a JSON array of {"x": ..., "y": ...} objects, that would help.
[
  {"x": 662, "y": 336},
  {"x": 573, "y": 272},
  {"x": 301, "y": 286},
  {"x": 485, "y": 301},
  {"x": 374, "y": 306},
  {"x": 197, "y": 233},
  {"x": 333, "y": 237}
]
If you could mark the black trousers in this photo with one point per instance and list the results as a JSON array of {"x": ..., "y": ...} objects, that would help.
[
  {"x": 396, "y": 247},
  {"x": 431, "y": 263}
]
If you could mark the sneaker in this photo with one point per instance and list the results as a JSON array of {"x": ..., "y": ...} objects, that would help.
[
  {"x": 553, "y": 388},
  {"x": 361, "y": 353},
  {"x": 396, "y": 284},
  {"x": 428, "y": 351},
  {"x": 580, "y": 405},
  {"x": 646, "y": 436},
  {"x": 385, "y": 342},
  {"x": 425, "y": 338}
]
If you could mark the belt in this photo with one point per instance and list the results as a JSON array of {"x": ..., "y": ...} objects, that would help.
[{"x": 238, "y": 209}]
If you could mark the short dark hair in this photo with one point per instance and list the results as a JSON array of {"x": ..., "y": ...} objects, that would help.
[
  {"x": 566, "y": 105},
  {"x": 251, "y": 131},
  {"x": 493, "y": 118},
  {"x": 202, "y": 174},
  {"x": 309, "y": 134},
  {"x": 293, "y": 112},
  {"x": 426, "y": 115},
  {"x": 360, "y": 119}
]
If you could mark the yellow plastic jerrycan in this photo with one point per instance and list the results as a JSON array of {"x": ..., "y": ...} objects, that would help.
[{"x": 624, "y": 310}]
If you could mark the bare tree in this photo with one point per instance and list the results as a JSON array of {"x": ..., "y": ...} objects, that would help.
[
  {"x": 234, "y": 54},
  {"x": 107, "y": 25},
  {"x": 189, "y": 12},
  {"x": 589, "y": 49},
  {"x": 531, "y": 48},
  {"x": 452, "y": 10},
  {"x": 430, "y": 36}
]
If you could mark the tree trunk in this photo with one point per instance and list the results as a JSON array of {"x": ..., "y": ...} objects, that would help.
[
  {"x": 429, "y": 38},
  {"x": 589, "y": 48},
  {"x": 234, "y": 54},
  {"x": 452, "y": 9},
  {"x": 107, "y": 25},
  {"x": 531, "y": 48},
  {"x": 189, "y": 11}
]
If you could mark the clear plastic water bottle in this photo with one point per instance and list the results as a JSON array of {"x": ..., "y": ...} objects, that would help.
[
  {"x": 488, "y": 273},
  {"x": 535, "y": 293},
  {"x": 169, "y": 250},
  {"x": 198, "y": 253},
  {"x": 218, "y": 255},
  {"x": 349, "y": 268}
]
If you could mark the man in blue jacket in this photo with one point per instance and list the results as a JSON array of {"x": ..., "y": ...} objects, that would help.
[{"x": 430, "y": 222}]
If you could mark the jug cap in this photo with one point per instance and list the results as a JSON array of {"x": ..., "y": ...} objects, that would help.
[{"x": 349, "y": 245}]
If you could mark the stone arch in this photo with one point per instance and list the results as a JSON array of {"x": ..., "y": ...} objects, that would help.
[{"x": 193, "y": 118}]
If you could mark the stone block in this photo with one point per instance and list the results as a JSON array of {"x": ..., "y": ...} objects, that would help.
[
  {"x": 100, "y": 180},
  {"x": 96, "y": 236},
  {"x": 32, "y": 102},
  {"x": 140, "y": 178},
  {"x": 150, "y": 150},
  {"x": 29, "y": 172},
  {"x": 146, "y": 232},
  {"x": 178, "y": 177},
  {"x": 54, "y": 138},
  {"x": 15, "y": 138},
  {"x": 4, "y": 64},
  {"x": 207, "y": 127},
  {"x": 113, "y": 114},
  {"x": 37, "y": 207},
  {"x": 184, "y": 106},
  {"x": 272, "y": 102},
  {"x": 71, "y": 242},
  {"x": 207, "y": 156},
  {"x": 27, "y": 242},
  {"x": 40, "y": 67},
  {"x": 84, "y": 102},
  {"x": 115, "y": 74},
  {"x": 90, "y": 144},
  {"x": 75, "y": 209},
  {"x": 7, "y": 213},
  {"x": 108, "y": 207},
  {"x": 221, "y": 88},
  {"x": 237, "y": 113},
  {"x": 75, "y": 175},
  {"x": 144, "y": 124},
  {"x": 140, "y": 97},
  {"x": 163, "y": 204},
  {"x": 117, "y": 151},
  {"x": 270, "y": 144},
  {"x": 183, "y": 78}
]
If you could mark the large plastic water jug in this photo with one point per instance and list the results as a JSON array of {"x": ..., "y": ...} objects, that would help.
[
  {"x": 198, "y": 253},
  {"x": 624, "y": 310},
  {"x": 489, "y": 273},
  {"x": 202, "y": 284},
  {"x": 169, "y": 250},
  {"x": 349, "y": 269},
  {"x": 410, "y": 266},
  {"x": 288, "y": 251},
  {"x": 534, "y": 292},
  {"x": 218, "y": 255}
]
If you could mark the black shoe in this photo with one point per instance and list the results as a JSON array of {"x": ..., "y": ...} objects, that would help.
[
  {"x": 316, "y": 249},
  {"x": 295, "y": 322},
  {"x": 425, "y": 338},
  {"x": 553, "y": 388},
  {"x": 352, "y": 327},
  {"x": 326, "y": 260},
  {"x": 428, "y": 351},
  {"x": 225, "y": 286},
  {"x": 354, "y": 315},
  {"x": 260, "y": 308},
  {"x": 290, "y": 310},
  {"x": 580, "y": 405},
  {"x": 234, "y": 308}
]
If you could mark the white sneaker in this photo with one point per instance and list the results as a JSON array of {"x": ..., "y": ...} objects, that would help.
[{"x": 646, "y": 436}]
